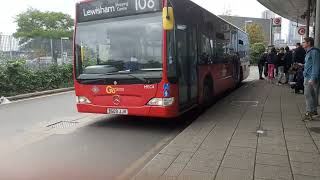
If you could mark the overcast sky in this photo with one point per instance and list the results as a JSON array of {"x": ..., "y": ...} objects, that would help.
[{"x": 248, "y": 8}]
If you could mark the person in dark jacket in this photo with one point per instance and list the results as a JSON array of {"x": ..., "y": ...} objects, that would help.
[
  {"x": 280, "y": 65},
  {"x": 288, "y": 59},
  {"x": 272, "y": 61},
  {"x": 299, "y": 54},
  {"x": 261, "y": 64}
]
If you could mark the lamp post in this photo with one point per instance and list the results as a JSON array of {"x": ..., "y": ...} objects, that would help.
[
  {"x": 317, "y": 20},
  {"x": 271, "y": 32},
  {"x": 245, "y": 24},
  {"x": 62, "y": 58}
]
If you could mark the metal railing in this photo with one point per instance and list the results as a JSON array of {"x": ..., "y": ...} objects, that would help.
[{"x": 38, "y": 52}]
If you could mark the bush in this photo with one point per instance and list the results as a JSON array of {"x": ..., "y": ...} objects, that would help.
[
  {"x": 16, "y": 79},
  {"x": 257, "y": 50}
]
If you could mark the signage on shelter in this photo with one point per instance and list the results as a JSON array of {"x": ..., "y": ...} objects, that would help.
[
  {"x": 277, "y": 22},
  {"x": 302, "y": 30}
]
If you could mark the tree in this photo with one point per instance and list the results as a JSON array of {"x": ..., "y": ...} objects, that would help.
[
  {"x": 257, "y": 50},
  {"x": 34, "y": 23},
  {"x": 256, "y": 34},
  {"x": 35, "y": 27}
]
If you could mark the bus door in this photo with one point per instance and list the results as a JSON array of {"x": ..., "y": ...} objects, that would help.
[{"x": 187, "y": 63}]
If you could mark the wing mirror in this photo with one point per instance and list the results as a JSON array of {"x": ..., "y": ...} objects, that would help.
[{"x": 168, "y": 18}]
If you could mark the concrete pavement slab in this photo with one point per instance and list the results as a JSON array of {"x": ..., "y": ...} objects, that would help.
[
  {"x": 191, "y": 175},
  {"x": 308, "y": 169},
  {"x": 304, "y": 157},
  {"x": 237, "y": 162},
  {"x": 227, "y": 145},
  {"x": 244, "y": 152},
  {"x": 203, "y": 165},
  {"x": 273, "y": 172},
  {"x": 303, "y": 177},
  {"x": 234, "y": 174},
  {"x": 302, "y": 147},
  {"x": 272, "y": 149},
  {"x": 272, "y": 159}
]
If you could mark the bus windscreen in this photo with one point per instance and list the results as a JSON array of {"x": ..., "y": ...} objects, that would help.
[{"x": 123, "y": 45}]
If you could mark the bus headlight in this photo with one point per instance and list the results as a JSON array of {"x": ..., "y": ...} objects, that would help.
[
  {"x": 161, "y": 101},
  {"x": 83, "y": 100}
]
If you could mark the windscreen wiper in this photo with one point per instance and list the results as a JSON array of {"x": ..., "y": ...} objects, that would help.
[
  {"x": 143, "y": 80},
  {"x": 86, "y": 81}
]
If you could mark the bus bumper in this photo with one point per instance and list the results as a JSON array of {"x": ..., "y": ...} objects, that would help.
[{"x": 148, "y": 111}]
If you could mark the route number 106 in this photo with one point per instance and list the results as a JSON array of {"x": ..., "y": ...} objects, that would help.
[{"x": 143, "y": 4}]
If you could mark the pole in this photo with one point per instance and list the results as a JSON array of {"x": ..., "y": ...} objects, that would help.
[
  {"x": 271, "y": 32},
  {"x": 308, "y": 18},
  {"x": 51, "y": 46},
  {"x": 317, "y": 20},
  {"x": 61, "y": 52},
  {"x": 10, "y": 43}
]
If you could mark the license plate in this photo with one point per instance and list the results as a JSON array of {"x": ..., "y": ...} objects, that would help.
[{"x": 117, "y": 111}]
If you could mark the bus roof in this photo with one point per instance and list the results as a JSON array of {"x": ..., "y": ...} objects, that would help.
[{"x": 207, "y": 11}]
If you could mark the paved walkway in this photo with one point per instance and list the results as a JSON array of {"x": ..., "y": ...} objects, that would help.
[{"x": 223, "y": 143}]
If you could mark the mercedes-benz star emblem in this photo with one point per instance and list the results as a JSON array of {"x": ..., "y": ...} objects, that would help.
[{"x": 116, "y": 100}]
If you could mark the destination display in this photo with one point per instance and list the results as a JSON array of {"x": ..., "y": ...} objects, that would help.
[{"x": 103, "y": 9}]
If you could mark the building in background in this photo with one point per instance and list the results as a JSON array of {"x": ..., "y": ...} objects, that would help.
[
  {"x": 267, "y": 14},
  {"x": 242, "y": 21},
  {"x": 8, "y": 43},
  {"x": 278, "y": 40}
]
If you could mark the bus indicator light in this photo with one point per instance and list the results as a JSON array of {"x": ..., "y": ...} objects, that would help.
[
  {"x": 166, "y": 93},
  {"x": 166, "y": 86}
]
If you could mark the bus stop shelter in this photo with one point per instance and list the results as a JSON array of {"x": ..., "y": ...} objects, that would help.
[{"x": 305, "y": 12}]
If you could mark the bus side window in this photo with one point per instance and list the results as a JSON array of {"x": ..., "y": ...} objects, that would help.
[
  {"x": 206, "y": 52},
  {"x": 213, "y": 48},
  {"x": 220, "y": 45},
  {"x": 171, "y": 62},
  {"x": 241, "y": 49}
]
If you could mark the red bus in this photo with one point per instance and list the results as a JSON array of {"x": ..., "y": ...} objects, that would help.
[{"x": 154, "y": 58}]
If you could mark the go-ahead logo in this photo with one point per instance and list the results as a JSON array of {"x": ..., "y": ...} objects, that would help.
[{"x": 112, "y": 90}]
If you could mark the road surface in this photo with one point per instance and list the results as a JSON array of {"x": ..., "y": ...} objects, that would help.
[{"x": 45, "y": 138}]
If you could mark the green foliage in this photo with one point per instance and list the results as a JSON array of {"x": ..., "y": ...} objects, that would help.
[
  {"x": 256, "y": 34},
  {"x": 16, "y": 79},
  {"x": 257, "y": 50},
  {"x": 35, "y": 26},
  {"x": 34, "y": 23}
]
